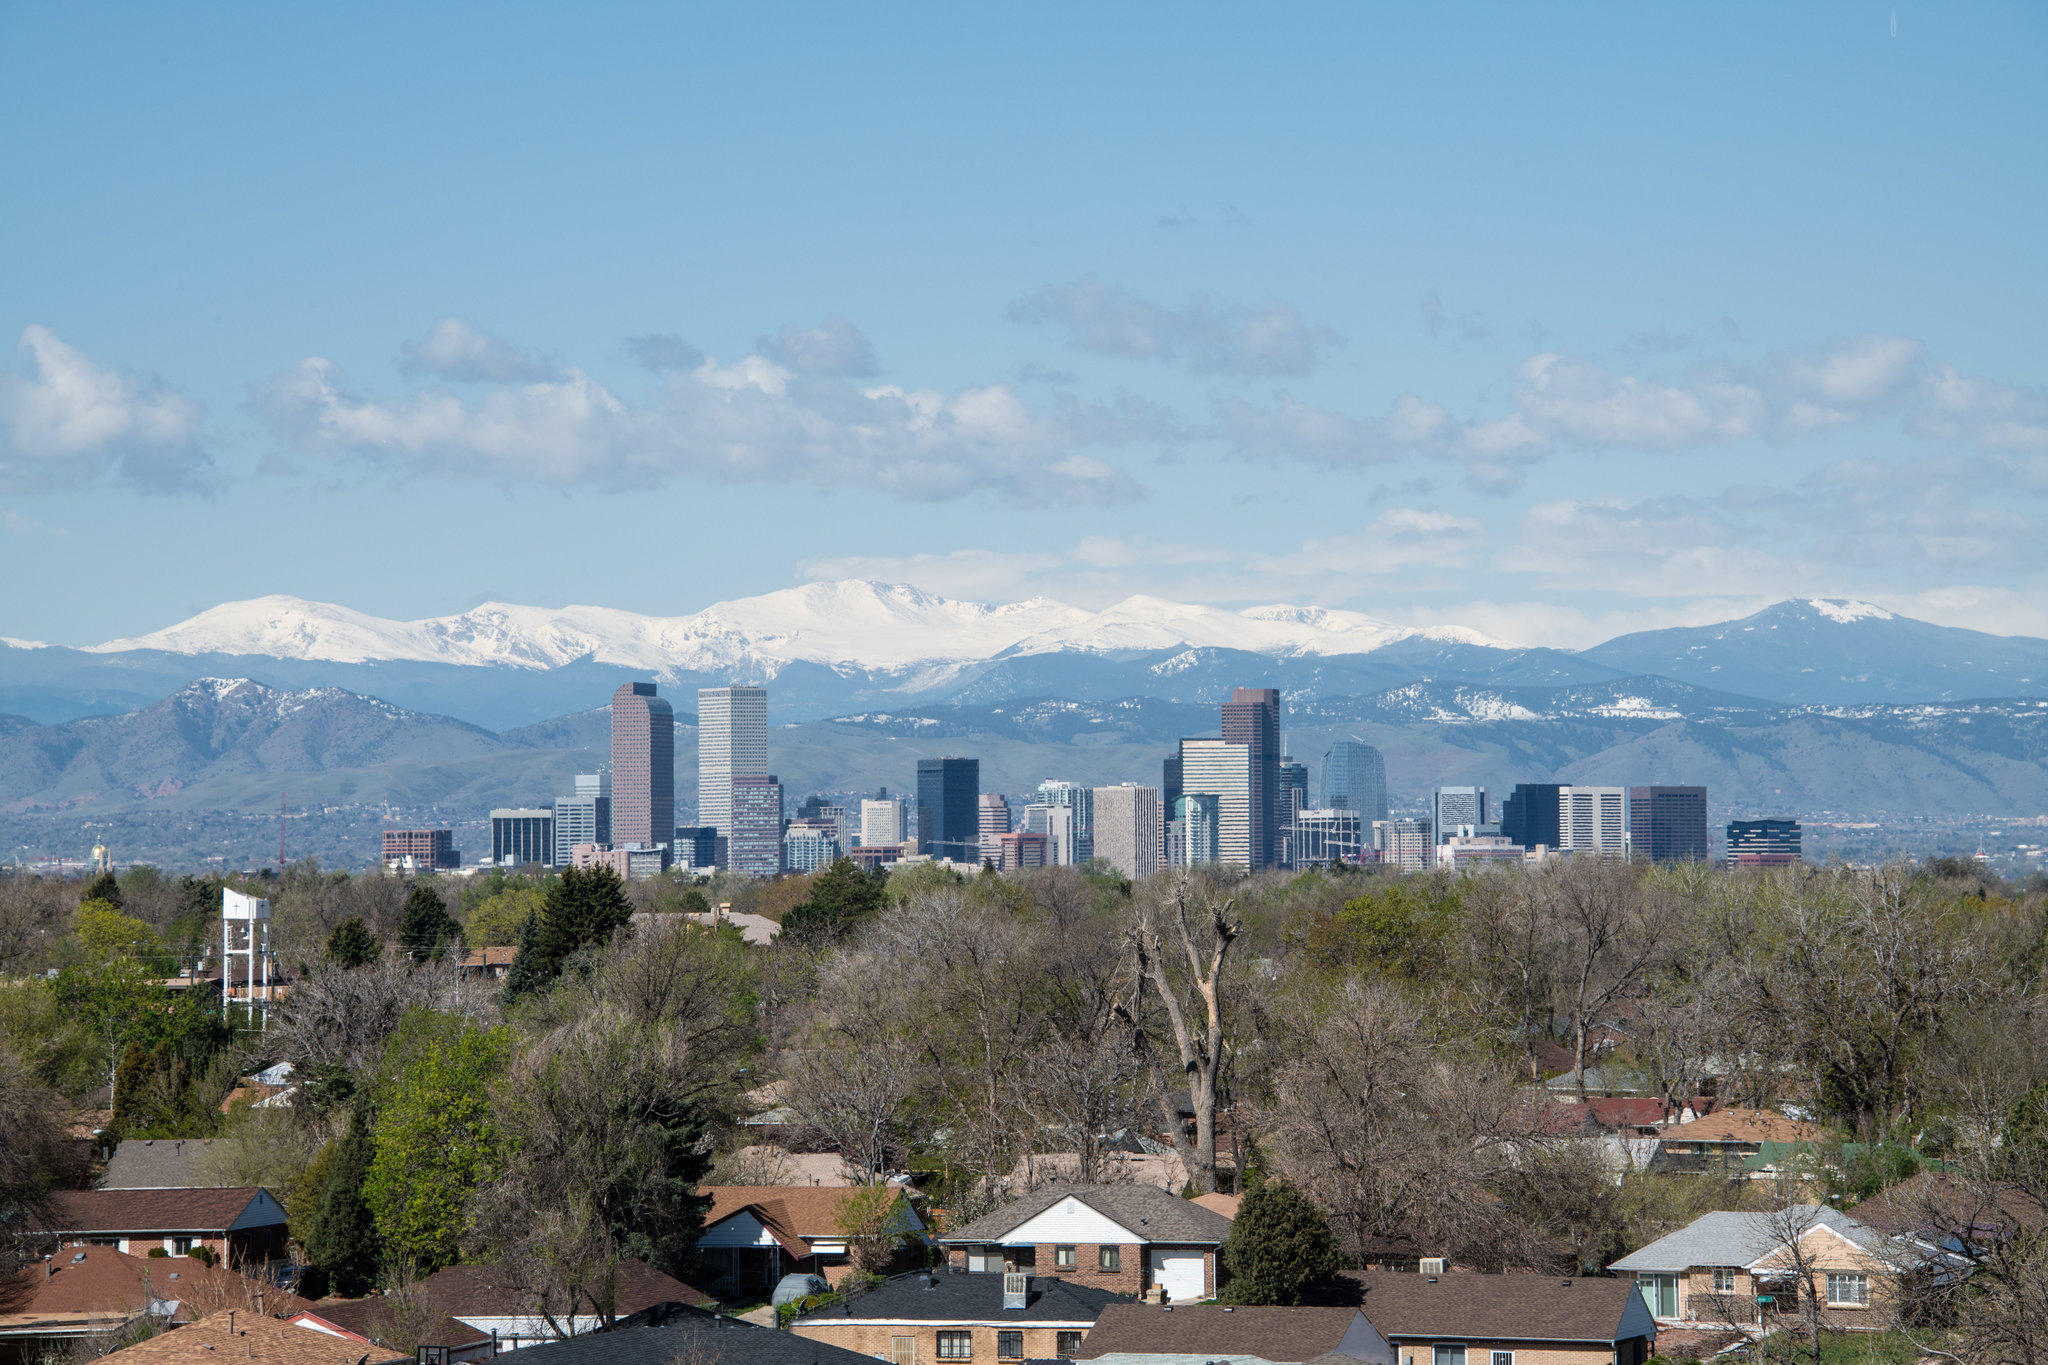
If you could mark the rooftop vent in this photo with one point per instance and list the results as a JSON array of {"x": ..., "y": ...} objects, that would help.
[{"x": 1016, "y": 1289}]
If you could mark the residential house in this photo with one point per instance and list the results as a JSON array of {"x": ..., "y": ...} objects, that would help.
[
  {"x": 756, "y": 1234},
  {"x": 1209, "y": 1334},
  {"x": 1132, "y": 1239},
  {"x": 1460, "y": 1318},
  {"x": 946, "y": 1315},
  {"x": 1225, "y": 1204},
  {"x": 95, "y": 1294},
  {"x": 1937, "y": 1210},
  {"x": 250, "y": 1339},
  {"x": 692, "y": 1337},
  {"x": 159, "y": 1164},
  {"x": 491, "y": 962},
  {"x": 1721, "y": 1142},
  {"x": 492, "y": 1300},
  {"x": 1740, "y": 1270},
  {"x": 243, "y": 1225},
  {"x": 384, "y": 1321}
]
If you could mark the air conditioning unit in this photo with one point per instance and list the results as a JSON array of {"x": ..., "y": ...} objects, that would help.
[
  {"x": 1016, "y": 1289},
  {"x": 1432, "y": 1265}
]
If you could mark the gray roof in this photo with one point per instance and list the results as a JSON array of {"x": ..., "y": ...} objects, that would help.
[
  {"x": 956, "y": 1297},
  {"x": 1736, "y": 1239},
  {"x": 1151, "y": 1214},
  {"x": 692, "y": 1335},
  {"x": 158, "y": 1164}
]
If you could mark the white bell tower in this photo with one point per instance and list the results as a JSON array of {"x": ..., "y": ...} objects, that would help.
[{"x": 245, "y": 934}]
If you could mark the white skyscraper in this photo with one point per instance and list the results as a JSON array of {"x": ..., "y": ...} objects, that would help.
[
  {"x": 1593, "y": 820},
  {"x": 732, "y": 741},
  {"x": 1127, "y": 833},
  {"x": 1056, "y": 823},
  {"x": 1082, "y": 800},
  {"x": 882, "y": 822},
  {"x": 1219, "y": 768}
]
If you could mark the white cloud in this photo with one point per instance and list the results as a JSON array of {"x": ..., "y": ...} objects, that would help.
[
  {"x": 1859, "y": 374},
  {"x": 1961, "y": 407},
  {"x": 70, "y": 419},
  {"x": 834, "y": 347},
  {"x": 1494, "y": 451},
  {"x": 1209, "y": 335},
  {"x": 1584, "y": 404},
  {"x": 456, "y": 350},
  {"x": 751, "y": 420}
]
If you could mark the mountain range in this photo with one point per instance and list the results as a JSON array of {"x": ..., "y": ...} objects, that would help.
[{"x": 836, "y": 647}]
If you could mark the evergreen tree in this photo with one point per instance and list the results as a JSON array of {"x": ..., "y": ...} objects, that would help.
[
  {"x": 103, "y": 888},
  {"x": 342, "y": 1240},
  {"x": 424, "y": 926},
  {"x": 1279, "y": 1247},
  {"x": 583, "y": 909},
  {"x": 843, "y": 896},
  {"x": 352, "y": 944}
]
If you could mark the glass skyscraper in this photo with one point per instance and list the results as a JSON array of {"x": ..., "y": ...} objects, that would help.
[{"x": 1355, "y": 778}]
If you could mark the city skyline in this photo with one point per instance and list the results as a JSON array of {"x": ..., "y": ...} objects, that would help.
[{"x": 1572, "y": 363}]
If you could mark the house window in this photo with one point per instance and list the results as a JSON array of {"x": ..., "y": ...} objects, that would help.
[
  {"x": 1069, "y": 1345},
  {"x": 985, "y": 1260},
  {"x": 1109, "y": 1258},
  {"x": 1660, "y": 1292},
  {"x": 1724, "y": 1279},
  {"x": 1450, "y": 1355},
  {"x": 1009, "y": 1346},
  {"x": 182, "y": 1246},
  {"x": 1847, "y": 1290},
  {"x": 956, "y": 1346},
  {"x": 902, "y": 1351},
  {"x": 1503, "y": 1358},
  {"x": 1063, "y": 1258}
]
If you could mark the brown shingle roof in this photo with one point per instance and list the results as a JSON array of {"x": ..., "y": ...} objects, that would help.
[
  {"x": 246, "y": 1337},
  {"x": 158, "y": 1164},
  {"x": 1524, "y": 1307},
  {"x": 1934, "y": 1202},
  {"x": 796, "y": 1215},
  {"x": 1743, "y": 1125},
  {"x": 1280, "y": 1334},
  {"x": 375, "y": 1320},
  {"x": 1151, "y": 1215},
  {"x": 173, "y": 1210},
  {"x": 104, "y": 1282},
  {"x": 1225, "y": 1204},
  {"x": 487, "y": 1291}
]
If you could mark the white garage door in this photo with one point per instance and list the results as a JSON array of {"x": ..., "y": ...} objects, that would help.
[{"x": 1178, "y": 1272}]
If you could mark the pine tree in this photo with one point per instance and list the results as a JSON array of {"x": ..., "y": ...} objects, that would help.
[
  {"x": 583, "y": 909},
  {"x": 1279, "y": 1247},
  {"x": 424, "y": 926},
  {"x": 843, "y": 896},
  {"x": 352, "y": 944},
  {"x": 103, "y": 888},
  {"x": 525, "y": 976},
  {"x": 343, "y": 1237}
]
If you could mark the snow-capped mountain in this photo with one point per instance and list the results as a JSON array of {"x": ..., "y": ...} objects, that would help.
[{"x": 852, "y": 623}]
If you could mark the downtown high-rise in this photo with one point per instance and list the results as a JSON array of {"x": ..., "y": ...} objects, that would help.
[
  {"x": 732, "y": 742},
  {"x": 949, "y": 808},
  {"x": 643, "y": 767},
  {"x": 1355, "y": 778},
  {"x": 1668, "y": 824},
  {"x": 1251, "y": 718}
]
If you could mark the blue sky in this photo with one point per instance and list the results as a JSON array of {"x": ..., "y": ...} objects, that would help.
[{"x": 1554, "y": 321}]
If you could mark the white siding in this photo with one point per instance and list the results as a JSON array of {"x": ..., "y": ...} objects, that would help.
[
  {"x": 741, "y": 1229},
  {"x": 1070, "y": 1221}
]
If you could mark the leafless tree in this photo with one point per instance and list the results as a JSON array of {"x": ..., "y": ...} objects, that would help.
[
  {"x": 344, "y": 1018},
  {"x": 1202, "y": 929},
  {"x": 34, "y": 1153},
  {"x": 1606, "y": 922}
]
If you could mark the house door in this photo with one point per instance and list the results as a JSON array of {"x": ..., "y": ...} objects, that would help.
[{"x": 1179, "y": 1273}]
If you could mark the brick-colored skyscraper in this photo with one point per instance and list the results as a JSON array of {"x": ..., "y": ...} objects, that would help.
[
  {"x": 1252, "y": 718},
  {"x": 643, "y": 767}
]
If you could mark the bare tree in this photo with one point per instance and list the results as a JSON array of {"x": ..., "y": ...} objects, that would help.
[
  {"x": 342, "y": 1018},
  {"x": 1203, "y": 932},
  {"x": 1607, "y": 922}
]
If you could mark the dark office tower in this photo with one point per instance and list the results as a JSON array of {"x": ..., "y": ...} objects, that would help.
[
  {"x": 949, "y": 808},
  {"x": 1169, "y": 784},
  {"x": 1293, "y": 801},
  {"x": 1252, "y": 718},
  {"x": 1668, "y": 824},
  {"x": 1530, "y": 815},
  {"x": 1763, "y": 843},
  {"x": 643, "y": 767}
]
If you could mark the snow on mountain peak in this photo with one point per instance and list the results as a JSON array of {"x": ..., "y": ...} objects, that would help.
[{"x": 1842, "y": 611}]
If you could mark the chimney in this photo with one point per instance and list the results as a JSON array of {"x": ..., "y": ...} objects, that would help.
[
  {"x": 47, "y": 1271},
  {"x": 1016, "y": 1290}
]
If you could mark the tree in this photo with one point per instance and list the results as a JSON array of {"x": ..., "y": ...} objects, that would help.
[
  {"x": 342, "y": 1238},
  {"x": 435, "y": 1138},
  {"x": 1198, "y": 1041},
  {"x": 500, "y": 918},
  {"x": 104, "y": 887},
  {"x": 869, "y": 1221},
  {"x": 425, "y": 928},
  {"x": 843, "y": 897},
  {"x": 583, "y": 909},
  {"x": 352, "y": 945},
  {"x": 1279, "y": 1247},
  {"x": 35, "y": 1154}
]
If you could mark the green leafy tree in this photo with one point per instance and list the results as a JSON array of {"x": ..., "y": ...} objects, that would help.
[
  {"x": 425, "y": 929},
  {"x": 499, "y": 919},
  {"x": 160, "y": 1089},
  {"x": 342, "y": 1237},
  {"x": 1279, "y": 1247},
  {"x": 107, "y": 932},
  {"x": 843, "y": 896},
  {"x": 434, "y": 1137},
  {"x": 352, "y": 944},
  {"x": 582, "y": 909}
]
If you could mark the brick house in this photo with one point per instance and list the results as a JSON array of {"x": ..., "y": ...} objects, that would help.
[
  {"x": 1722, "y": 1141},
  {"x": 951, "y": 1316},
  {"x": 1739, "y": 1270},
  {"x": 243, "y": 1226},
  {"x": 92, "y": 1294},
  {"x": 1467, "y": 1319},
  {"x": 1129, "y": 1239},
  {"x": 1168, "y": 1334},
  {"x": 756, "y": 1234}
]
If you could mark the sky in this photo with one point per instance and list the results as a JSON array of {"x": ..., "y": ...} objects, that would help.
[{"x": 1553, "y": 321}]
